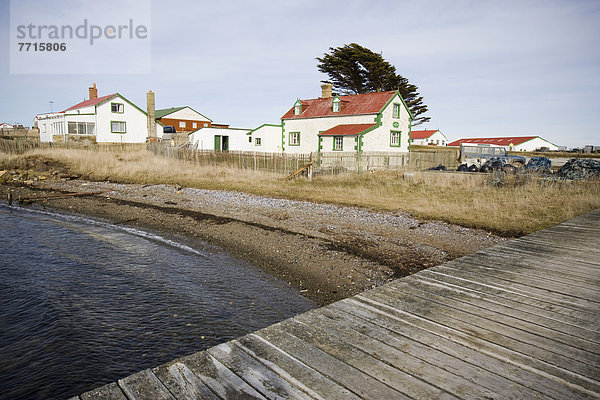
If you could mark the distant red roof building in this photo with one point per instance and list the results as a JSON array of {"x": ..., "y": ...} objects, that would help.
[
  {"x": 348, "y": 129},
  {"x": 498, "y": 141},
  {"x": 366, "y": 103},
  {"x": 422, "y": 134}
]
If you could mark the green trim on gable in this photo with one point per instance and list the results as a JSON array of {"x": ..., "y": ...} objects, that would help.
[
  {"x": 255, "y": 129},
  {"x": 392, "y": 99},
  {"x": 320, "y": 142},
  {"x": 282, "y": 136},
  {"x": 166, "y": 111}
]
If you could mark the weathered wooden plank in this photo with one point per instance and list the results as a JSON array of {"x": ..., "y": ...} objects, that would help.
[
  {"x": 218, "y": 378},
  {"x": 267, "y": 382},
  {"x": 558, "y": 267},
  {"x": 352, "y": 378},
  {"x": 518, "y": 318},
  {"x": 449, "y": 373},
  {"x": 144, "y": 385},
  {"x": 182, "y": 382},
  {"x": 367, "y": 362},
  {"x": 481, "y": 343},
  {"x": 440, "y": 338},
  {"x": 518, "y": 303},
  {"x": 295, "y": 371},
  {"x": 111, "y": 391},
  {"x": 493, "y": 332},
  {"x": 541, "y": 279},
  {"x": 561, "y": 299}
]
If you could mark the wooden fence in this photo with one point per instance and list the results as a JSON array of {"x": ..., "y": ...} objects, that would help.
[{"x": 333, "y": 162}]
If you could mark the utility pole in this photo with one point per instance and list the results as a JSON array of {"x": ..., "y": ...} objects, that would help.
[{"x": 51, "y": 102}]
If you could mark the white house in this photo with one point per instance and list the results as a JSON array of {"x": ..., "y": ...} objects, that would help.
[
  {"x": 266, "y": 138},
  {"x": 221, "y": 139},
  {"x": 511, "y": 143},
  {"x": 106, "y": 119},
  {"x": 370, "y": 122},
  {"x": 4, "y": 125},
  {"x": 428, "y": 137}
]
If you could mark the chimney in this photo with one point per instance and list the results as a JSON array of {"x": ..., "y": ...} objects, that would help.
[
  {"x": 151, "y": 117},
  {"x": 93, "y": 92},
  {"x": 326, "y": 90}
]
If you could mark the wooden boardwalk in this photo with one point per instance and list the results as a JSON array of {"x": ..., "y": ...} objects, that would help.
[{"x": 520, "y": 320}]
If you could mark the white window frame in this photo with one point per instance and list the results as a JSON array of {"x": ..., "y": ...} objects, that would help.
[
  {"x": 182, "y": 124},
  {"x": 297, "y": 109},
  {"x": 337, "y": 105},
  {"x": 338, "y": 143},
  {"x": 396, "y": 110},
  {"x": 194, "y": 125},
  {"x": 257, "y": 141},
  {"x": 294, "y": 139},
  {"x": 395, "y": 138}
]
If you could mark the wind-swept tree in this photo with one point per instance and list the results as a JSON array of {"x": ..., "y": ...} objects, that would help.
[{"x": 354, "y": 69}]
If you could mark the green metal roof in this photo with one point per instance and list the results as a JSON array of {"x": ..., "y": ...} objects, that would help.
[{"x": 167, "y": 111}]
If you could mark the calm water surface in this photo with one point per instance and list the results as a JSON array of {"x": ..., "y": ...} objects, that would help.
[{"x": 84, "y": 303}]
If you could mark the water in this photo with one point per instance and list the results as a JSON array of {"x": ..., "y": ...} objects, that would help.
[{"x": 84, "y": 303}]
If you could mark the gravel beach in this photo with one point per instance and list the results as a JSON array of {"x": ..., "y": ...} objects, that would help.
[{"x": 327, "y": 252}]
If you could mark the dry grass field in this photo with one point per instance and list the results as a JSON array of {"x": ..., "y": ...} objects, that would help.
[{"x": 515, "y": 208}]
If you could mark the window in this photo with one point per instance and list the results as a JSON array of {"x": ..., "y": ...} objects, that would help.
[
  {"x": 117, "y": 108},
  {"x": 117, "y": 127},
  {"x": 437, "y": 141},
  {"x": 338, "y": 143},
  {"x": 194, "y": 125},
  {"x": 297, "y": 109},
  {"x": 205, "y": 124},
  {"x": 257, "y": 141},
  {"x": 294, "y": 139},
  {"x": 395, "y": 138},
  {"x": 336, "y": 105},
  {"x": 81, "y": 128},
  {"x": 250, "y": 139},
  {"x": 396, "y": 111},
  {"x": 182, "y": 124}
]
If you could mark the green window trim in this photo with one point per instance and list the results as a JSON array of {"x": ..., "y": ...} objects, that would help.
[
  {"x": 121, "y": 122},
  {"x": 117, "y": 104},
  {"x": 341, "y": 147},
  {"x": 293, "y": 142},
  {"x": 396, "y": 110},
  {"x": 392, "y": 133}
]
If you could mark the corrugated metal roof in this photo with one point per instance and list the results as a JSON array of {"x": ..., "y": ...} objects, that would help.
[
  {"x": 366, "y": 103},
  {"x": 497, "y": 141},
  {"x": 91, "y": 102},
  {"x": 348, "y": 129},
  {"x": 421, "y": 134}
]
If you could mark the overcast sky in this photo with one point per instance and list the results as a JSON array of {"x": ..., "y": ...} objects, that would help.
[{"x": 484, "y": 68}]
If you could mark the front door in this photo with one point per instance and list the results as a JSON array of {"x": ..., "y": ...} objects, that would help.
[{"x": 225, "y": 146}]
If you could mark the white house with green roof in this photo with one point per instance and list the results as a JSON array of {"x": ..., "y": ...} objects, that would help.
[
  {"x": 266, "y": 138},
  {"x": 106, "y": 119},
  {"x": 369, "y": 122}
]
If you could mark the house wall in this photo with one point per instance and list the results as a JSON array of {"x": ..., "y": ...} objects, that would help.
[
  {"x": 135, "y": 123},
  {"x": 270, "y": 137},
  {"x": 204, "y": 138},
  {"x": 534, "y": 144},
  {"x": 349, "y": 144},
  {"x": 375, "y": 140},
  {"x": 437, "y": 136},
  {"x": 189, "y": 124},
  {"x": 379, "y": 139},
  {"x": 310, "y": 128}
]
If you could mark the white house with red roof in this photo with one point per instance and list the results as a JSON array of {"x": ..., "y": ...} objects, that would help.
[
  {"x": 428, "y": 138},
  {"x": 106, "y": 119},
  {"x": 369, "y": 122},
  {"x": 511, "y": 143}
]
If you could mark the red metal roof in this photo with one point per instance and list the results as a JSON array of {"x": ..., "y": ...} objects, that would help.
[
  {"x": 348, "y": 129},
  {"x": 91, "y": 102},
  {"x": 497, "y": 141},
  {"x": 421, "y": 134},
  {"x": 366, "y": 103}
]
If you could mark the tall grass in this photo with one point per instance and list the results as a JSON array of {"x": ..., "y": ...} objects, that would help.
[{"x": 465, "y": 199}]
